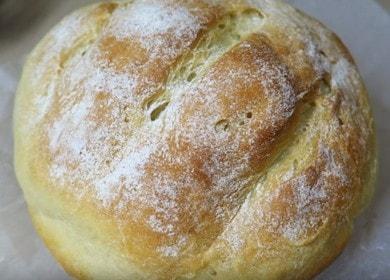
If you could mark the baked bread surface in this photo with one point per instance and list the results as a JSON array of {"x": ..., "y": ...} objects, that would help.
[{"x": 193, "y": 140}]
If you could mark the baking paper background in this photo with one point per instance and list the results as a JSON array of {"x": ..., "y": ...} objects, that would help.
[{"x": 362, "y": 24}]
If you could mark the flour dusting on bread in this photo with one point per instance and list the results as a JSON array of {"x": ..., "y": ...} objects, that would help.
[{"x": 203, "y": 132}]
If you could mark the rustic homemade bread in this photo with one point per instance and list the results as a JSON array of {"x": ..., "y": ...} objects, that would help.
[{"x": 193, "y": 140}]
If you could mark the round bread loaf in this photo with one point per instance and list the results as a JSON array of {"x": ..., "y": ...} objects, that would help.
[{"x": 193, "y": 140}]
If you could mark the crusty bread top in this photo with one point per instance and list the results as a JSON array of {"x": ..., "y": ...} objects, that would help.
[{"x": 204, "y": 132}]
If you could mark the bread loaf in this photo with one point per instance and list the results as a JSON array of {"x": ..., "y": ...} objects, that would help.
[{"x": 193, "y": 140}]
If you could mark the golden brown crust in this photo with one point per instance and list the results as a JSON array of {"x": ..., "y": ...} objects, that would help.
[{"x": 193, "y": 140}]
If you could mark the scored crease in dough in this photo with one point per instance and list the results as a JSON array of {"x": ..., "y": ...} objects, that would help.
[{"x": 193, "y": 140}]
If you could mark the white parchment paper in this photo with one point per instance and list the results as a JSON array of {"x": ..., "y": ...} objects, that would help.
[{"x": 362, "y": 24}]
